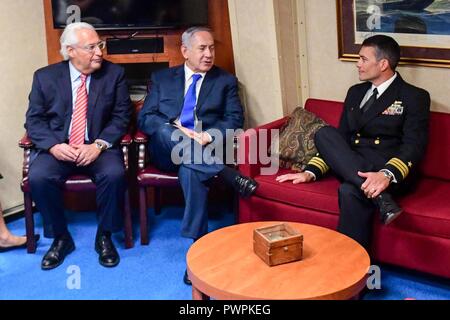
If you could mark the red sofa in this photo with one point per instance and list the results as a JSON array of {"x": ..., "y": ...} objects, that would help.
[{"x": 419, "y": 239}]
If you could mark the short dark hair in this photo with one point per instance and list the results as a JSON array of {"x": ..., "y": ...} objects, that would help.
[{"x": 385, "y": 48}]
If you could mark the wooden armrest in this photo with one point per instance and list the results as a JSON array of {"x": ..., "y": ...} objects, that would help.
[
  {"x": 25, "y": 142},
  {"x": 140, "y": 137},
  {"x": 126, "y": 140}
]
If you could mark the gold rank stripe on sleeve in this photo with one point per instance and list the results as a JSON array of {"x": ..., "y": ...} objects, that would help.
[
  {"x": 400, "y": 165},
  {"x": 319, "y": 163}
]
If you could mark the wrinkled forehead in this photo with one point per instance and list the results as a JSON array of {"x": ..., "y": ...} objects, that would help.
[
  {"x": 202, "y": 38},
  {"x": 87, "y": 36}
]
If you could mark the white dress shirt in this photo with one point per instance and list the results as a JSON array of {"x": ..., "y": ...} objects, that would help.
[
  {"x": 75, "y": 81},
  {"x": 188, "y": 73},
  {"x": 381, "y": 89}
]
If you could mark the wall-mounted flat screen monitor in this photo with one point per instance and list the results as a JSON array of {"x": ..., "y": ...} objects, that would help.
[{"x": 131, "y": 14}]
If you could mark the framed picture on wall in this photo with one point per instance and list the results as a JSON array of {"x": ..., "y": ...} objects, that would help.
[{"x": 421, "y": 27}]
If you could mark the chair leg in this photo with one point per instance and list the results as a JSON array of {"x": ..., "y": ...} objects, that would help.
[
  {"x": 128, "y": 223},
  {"x": 29, "y": 223},
  {"x": 143, "y": 215},
  {"x": 157, "y": 200}
]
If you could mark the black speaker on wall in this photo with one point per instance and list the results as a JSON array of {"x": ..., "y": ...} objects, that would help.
[{"x": 134, "y": 45}]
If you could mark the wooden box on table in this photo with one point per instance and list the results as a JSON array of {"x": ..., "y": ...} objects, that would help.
[{"x": 277, "y": 244}]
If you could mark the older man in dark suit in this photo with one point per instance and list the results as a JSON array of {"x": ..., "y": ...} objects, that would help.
[
  {"x": 381, "y": 137},
  {"x": 78, "y": 111},
  {"x": 201, "y": 101}
]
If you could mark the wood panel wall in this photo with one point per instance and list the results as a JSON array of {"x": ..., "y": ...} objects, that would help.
[{"x": 219, "y": 22}]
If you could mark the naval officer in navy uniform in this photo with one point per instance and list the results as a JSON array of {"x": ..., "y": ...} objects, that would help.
[{"x": 381, "y": 138}]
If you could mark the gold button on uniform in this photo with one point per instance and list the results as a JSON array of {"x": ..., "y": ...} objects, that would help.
[
  {"x": 356, "y": 141},
  {"x": 377, "y": 141}
]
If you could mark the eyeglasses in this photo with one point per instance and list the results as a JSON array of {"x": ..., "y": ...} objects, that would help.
[{"x": 91, "y": 47}]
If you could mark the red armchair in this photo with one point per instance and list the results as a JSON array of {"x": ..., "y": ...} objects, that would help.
[
  {"x": 74, "y": 183},
  {"x": 149, "y": 176}
]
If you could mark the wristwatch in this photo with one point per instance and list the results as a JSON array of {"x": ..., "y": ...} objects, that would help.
[
  {"x": 101, "y": 145},
  {"x": 388, "y": 175}
]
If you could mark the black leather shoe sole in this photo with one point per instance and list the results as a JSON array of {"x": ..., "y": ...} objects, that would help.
[
  {"x": 250, "y": 191},
  {"x": 391, "y": 216},
  {"x": 53, "y": 266},
  {"x": 186, "y": 279},
  {"x": 109, "y": 264}
]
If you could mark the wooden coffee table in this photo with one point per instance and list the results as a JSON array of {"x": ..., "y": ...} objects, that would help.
[{"x": 222, "y": 265}]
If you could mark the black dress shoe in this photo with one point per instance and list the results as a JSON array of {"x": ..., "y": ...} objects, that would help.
[
  {"x": 389, "y": 209},
  {"x": 107, "y": 253},
  {"x": 20, "y": 246},
  {"x": 58, "y": 251},
  {"x": 245, "y": 186},
  {"x": 186, "y": 279}
]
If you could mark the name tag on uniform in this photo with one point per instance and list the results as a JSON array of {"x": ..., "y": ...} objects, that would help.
[{"x": 394, "y": 109}]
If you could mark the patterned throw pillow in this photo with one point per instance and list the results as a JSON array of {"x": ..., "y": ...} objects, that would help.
[{"x": 296, "y": 144}]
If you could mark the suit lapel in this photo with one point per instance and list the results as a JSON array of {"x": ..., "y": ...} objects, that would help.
[
  {"x": 95, "y": 87},
  {"x": 65, "y": 87},
  {"x": 384, "y": 101},
  {"x": 355, "y": 114},
  {"x": 207, "y": 85},
  {"x": 179, "y": 87}
]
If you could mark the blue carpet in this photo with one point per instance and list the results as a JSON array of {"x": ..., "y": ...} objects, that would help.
[{"x": 154, "y": 271}]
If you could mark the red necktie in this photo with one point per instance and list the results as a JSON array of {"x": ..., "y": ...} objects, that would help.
[{"x": 79, "y": 114}]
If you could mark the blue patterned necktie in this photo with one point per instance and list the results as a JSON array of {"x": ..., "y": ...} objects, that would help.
[{"x": 190, "y": 100}]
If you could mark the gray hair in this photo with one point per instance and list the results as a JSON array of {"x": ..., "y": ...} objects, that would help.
[
  {"x": 189, "y": 33},
  {"x": 69, "y": 36}
]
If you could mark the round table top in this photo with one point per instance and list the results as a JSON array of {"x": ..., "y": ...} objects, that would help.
[{"x": 223, "y": 265}]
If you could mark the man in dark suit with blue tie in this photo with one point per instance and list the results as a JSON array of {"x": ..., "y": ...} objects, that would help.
[
  {"x": 78, "y": 110},
  {"x": 382, "y": 137},
  {"x": 200, "y": 101}
]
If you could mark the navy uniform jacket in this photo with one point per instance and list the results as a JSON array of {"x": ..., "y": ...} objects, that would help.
[
  {"x": 395, "y": 127},
  {"x": 50, "y": 108},
  {"x": 218, "y": 105}
]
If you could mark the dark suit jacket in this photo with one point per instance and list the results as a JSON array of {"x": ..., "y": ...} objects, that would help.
[
  {"x": 218, "y": 104},
  {"x": 396, "y": 126},
  {"x": 50, "y": 105}
]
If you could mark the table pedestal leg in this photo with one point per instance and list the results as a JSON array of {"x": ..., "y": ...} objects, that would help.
[{"x": 198, "y": 295}]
